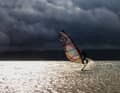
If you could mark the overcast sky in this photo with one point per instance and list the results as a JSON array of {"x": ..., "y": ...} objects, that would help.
[{"x": 33, "y": 24}]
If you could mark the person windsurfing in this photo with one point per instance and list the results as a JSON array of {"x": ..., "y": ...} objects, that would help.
[{"x": 71, "y": 51}]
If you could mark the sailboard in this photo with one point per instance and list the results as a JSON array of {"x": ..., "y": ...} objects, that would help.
[{"x": 71, "y": 51}]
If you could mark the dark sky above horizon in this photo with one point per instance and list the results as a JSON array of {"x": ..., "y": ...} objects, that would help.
[{"x": 34, "y": 24}]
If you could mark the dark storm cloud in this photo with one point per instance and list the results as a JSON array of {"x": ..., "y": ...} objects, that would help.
[{"x": 33, "y": 23}]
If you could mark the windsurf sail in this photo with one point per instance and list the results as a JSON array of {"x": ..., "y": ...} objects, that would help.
[{"x": 71, "y": 51}]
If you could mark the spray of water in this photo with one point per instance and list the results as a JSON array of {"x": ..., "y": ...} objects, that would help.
[{"x": 91, "y": 65}]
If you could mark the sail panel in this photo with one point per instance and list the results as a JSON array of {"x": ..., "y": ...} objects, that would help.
[{"x": 69, "y": 47}]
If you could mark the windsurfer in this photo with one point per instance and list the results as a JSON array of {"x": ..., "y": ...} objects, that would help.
[
  {"x": 71, "y": 51},
  {"x": 84, "y": 60}
]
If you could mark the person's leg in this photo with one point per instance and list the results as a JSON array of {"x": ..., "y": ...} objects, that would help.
[
  {"x": 84, "y": 65},
  {"x": 85, "y": 61}
]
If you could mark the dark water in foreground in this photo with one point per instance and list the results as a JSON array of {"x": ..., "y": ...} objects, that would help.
[{"x": 58, "y": 77}]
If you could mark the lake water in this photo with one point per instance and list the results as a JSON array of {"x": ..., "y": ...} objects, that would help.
[{"x": 58, "y": 77}]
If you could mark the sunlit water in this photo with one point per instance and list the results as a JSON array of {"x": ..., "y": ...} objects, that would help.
[{"x": 58, "y": 77}]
